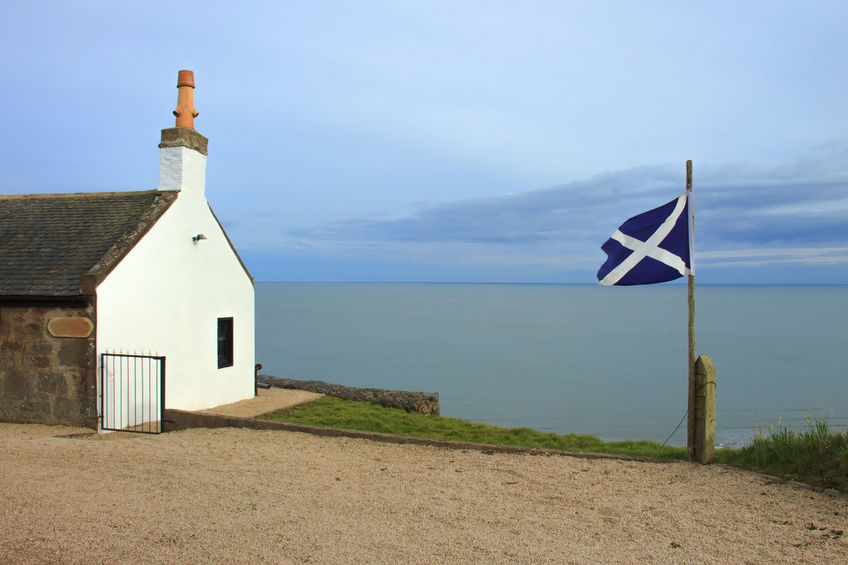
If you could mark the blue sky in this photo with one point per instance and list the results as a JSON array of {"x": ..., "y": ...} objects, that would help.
[{"x": 453, "y": 141}]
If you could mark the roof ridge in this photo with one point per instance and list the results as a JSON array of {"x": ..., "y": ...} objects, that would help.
[{"x": 82, "y": 194}]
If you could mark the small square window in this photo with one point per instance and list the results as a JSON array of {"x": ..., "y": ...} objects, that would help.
[{"x": 225, "y": 342}]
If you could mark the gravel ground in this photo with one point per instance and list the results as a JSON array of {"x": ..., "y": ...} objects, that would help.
[{"x": 248, "y": 496}]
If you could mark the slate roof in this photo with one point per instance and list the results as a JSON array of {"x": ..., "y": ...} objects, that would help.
[{"x": 48, "y": 242}]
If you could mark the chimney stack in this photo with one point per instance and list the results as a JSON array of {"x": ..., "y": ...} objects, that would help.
[
  {"x": 185, "y": 111},
  {"x": 182, "y": 151}
]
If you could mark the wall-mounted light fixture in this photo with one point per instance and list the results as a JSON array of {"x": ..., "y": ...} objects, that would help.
[{"x": 198, "y": 237}]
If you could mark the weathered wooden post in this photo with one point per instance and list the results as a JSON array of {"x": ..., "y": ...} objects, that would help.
[{"x": 705, "y": 409}]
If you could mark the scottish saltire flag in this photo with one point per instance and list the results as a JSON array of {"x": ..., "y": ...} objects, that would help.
[{"x": 652, "y": 247}]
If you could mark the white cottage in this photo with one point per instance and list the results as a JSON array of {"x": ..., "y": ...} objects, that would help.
[{"x": 96, "y": 289}]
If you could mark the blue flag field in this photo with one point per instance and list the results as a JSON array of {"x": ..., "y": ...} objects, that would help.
[{"x": 652, "y": 247}]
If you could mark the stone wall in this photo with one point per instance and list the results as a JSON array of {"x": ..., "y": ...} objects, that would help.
[
  {"x": 45, "y": 378},
  {"x": 419, "y": 402}
]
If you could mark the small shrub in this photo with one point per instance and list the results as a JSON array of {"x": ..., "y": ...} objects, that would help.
[
  {"x": 783, "y": 441},
  {"x": 759, "y": 449},
  {"x": 815, "y": 434}
]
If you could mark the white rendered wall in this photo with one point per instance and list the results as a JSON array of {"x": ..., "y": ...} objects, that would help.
[{"x": 166, "y": 295}]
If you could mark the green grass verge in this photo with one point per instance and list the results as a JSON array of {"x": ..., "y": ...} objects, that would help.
[
  {"x": 352, "y": 415},
  {"x": 814, "y": 456}
]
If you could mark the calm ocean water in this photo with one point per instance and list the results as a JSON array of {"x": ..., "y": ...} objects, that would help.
[{"x": 610, "y": 362}]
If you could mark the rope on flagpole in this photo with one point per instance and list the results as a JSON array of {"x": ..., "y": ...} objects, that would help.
[{"x": 685, "y": 412}]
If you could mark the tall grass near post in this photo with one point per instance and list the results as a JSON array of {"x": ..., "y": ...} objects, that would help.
[
  {"x": 815, "y": 455},
  {"x": 815, "y": 434}
]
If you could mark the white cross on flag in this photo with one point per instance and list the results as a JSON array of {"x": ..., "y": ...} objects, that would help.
[{"x": 652, "y": 247}]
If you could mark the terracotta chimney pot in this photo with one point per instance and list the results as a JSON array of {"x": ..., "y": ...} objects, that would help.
[{"x": 185, "y": 111}]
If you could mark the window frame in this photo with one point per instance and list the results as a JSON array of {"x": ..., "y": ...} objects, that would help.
[{"x": 225, "y": 342}]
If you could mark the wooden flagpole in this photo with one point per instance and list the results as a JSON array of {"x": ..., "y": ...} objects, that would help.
[{"x": 690, "y": 422}]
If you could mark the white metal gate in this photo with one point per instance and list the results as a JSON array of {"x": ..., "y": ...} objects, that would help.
[{"x": 132, "y": 392}]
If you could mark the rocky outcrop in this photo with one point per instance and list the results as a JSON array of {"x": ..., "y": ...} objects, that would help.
[{"x": 417, "y": 402}]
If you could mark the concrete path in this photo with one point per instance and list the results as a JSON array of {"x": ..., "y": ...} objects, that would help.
[{"x": 268, "y": 400}]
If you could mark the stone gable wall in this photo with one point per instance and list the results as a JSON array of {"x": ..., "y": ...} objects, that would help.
[{"x": 43, "y": 378}]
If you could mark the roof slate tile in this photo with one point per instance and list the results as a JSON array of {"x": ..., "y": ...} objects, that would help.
[{"x": 48, "y": 241}]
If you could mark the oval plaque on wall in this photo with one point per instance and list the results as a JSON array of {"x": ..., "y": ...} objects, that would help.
[{"x": 70, "y": 327}]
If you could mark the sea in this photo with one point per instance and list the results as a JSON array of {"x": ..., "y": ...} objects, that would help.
[{"x": 571, "y": 358}]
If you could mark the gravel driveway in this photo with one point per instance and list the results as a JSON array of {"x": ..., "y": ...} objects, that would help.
[{"x": 247, "y": 496}]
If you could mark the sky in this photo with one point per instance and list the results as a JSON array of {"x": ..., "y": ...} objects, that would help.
[{"x": 453, "y": 141}]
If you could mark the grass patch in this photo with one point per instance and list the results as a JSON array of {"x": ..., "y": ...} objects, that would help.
[
  {"x": 352, "y": 415},
  {"x": 814, "y": 456}
]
